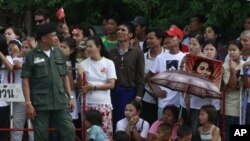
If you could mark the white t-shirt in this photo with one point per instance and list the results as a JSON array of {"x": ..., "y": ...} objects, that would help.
[
  {"x": 4, "y": 78},
  {"x": 148, "y": 62},
  {"x": 98, "y": 73},
  {"x": 122, "y": 124},
  {"x": 167, "y": 62}
]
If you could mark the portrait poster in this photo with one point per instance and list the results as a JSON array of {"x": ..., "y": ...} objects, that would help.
[{"x": 209, "y": 68}]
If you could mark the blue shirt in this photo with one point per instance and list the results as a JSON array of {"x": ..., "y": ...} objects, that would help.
[{"x": 96, "y": 133}]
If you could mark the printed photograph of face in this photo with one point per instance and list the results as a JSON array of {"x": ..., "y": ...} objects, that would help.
[
  {"x": 204, "y": 67},
  {"x": 209, "y": 68}
]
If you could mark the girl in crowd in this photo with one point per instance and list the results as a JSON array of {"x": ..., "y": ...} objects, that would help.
[
  {"x": 195, "y": 46},
  {"x": 12, "y": 34},
  {"x": 19, "y": 112},
  {"x": 93, "y": 123},
  {"x": 121, "y": 136},
  {"x": 210, "y": 51},
  {"x": 100, "y": 76},
  {"x": 164, "y": 132},
  {"x": 184, "y": 133},
  {"x": 208, "y": 130},
  {"x": 135, "y": 127},
  {"x": 170, "y": 116},
  {"x": 212, "y": 32},
  {"x": 6, "y": 65},
  {"x": 68, "y": 46},
  {"x": 232, "y": 83}
]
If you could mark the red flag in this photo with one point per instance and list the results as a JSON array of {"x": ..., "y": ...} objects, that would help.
[{"x": 60, "y": 13}]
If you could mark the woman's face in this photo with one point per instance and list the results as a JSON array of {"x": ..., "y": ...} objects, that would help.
[
  {"x": 204, "y": 69},
  {"x": 234, "y": 52},
  {"x": 66, "y": 49},
  {"x": 9, "y": 35},
  {"x": 168, "y": 117},
  {"x": 210, "y": 51},
  {"x": 194, "y": 46},
  {"x": 203, "y": 117},
  {"x": 210, "y": 34},
  {"x": 13, "y": 49},
  {"x": 130, "y": 111},
  {"x": 92, "y": 49}
]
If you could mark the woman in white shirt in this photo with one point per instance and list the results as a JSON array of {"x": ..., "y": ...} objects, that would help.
[{"x": 100, "y": 75}]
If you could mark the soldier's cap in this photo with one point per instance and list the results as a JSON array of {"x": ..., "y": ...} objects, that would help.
[
  {"x": 16, "y": 42},
  {"x": 44, "y": 29},
  {"x": 139, "y": 20}
]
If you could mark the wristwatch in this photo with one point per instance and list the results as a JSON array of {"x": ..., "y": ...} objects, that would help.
[{"x": 71, "y": 97}]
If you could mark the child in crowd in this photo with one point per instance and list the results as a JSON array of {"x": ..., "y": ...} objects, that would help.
[
  {"x": 164, "y": 132},
  {"x": 208, "y": 130},
  {"x": 184, "y": 133},
  {"x": 68, "y": 46},
  {"x": 132, "y": 124},
  {"x": 93, "y": 124},
  {"x": 170, "y": 116},
  {"x": 232, "y": 78},
  {"x": 121, "y": 136}
]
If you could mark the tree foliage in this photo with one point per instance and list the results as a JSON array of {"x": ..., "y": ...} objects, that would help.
[{"x": 228, "y": 14}]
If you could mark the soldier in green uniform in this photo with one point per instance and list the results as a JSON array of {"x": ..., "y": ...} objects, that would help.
[{"x": 46, "y": 87}]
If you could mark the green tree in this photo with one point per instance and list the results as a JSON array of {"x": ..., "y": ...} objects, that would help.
[{"x": 228, "y": 14}]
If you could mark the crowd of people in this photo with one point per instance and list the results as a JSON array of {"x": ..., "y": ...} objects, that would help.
[{"x": 74, "y": 78}]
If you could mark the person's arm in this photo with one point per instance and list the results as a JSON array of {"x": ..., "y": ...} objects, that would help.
[
  {"x": 215, "y": 134},
  {"x": 110, "y": 84},
  {"x": 246, "y": 77},
  {"x": 140, "y": 66},
  {"x": 155, "y": 88},
  {"x": 6, "y": 62},
  {"x": 68, "y": 91},
  {"x": 151, "y": 137},
  {"x": 232, "y": 82},
  {"x": 30, "y": 110}
]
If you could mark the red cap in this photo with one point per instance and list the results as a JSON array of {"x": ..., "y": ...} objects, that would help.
[{"x": 175, "y": 31}]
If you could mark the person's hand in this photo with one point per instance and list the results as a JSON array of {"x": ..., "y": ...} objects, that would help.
[
  {"x": 32, "y": 42},
  {"x": 161, "y": 94},
  {"x": 87, "y": 87},
  {"x": 232, "y": 64},
  {"x": 71, "y": 104},
  {"x": 246, "y": 66},
  {"x": 30, "y": 111},
  {"x": 79, "y": 71}
]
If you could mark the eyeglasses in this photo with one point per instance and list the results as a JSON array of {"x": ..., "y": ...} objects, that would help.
[{"x": 39, "y": 21}]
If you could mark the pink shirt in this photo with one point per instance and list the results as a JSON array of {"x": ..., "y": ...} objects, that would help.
[{"x": 156, "y": 124}]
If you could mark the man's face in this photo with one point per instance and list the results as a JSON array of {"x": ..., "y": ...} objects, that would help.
[
  {"x": 195, "y": 24},
  {"x": 39, "y": 19},
  {"x": 123, "y": 33},
  {"x": 247, "y": 24},
  {"x": 52, "y": 39},
  {"x": 245, "y": 40}
]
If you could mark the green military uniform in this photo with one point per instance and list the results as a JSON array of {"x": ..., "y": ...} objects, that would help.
[{"x": 47, "y": 93}]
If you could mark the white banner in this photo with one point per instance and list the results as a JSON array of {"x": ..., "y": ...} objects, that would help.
[{"x": 11, "y": 93}]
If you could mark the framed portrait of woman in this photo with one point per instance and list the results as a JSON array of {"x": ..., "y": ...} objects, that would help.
[{"x": 209, "y": 68}]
